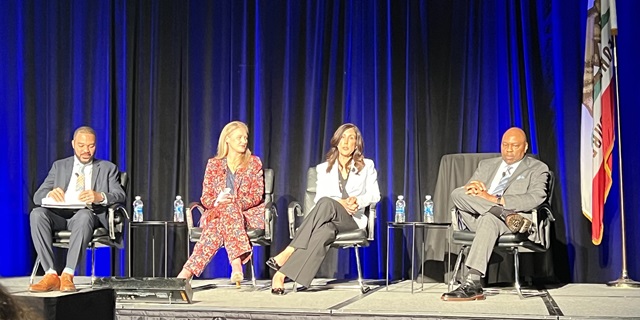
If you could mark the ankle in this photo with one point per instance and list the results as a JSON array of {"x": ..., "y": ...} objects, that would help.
[{"x": 278, "y": 276}]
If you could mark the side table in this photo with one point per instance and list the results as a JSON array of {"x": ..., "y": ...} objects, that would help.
[
  {"x": 179, "y": 226},
  {"x": 414, "y": 225}
]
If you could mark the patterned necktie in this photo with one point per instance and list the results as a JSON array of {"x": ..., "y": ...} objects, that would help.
[
  {"x": 80, "y": 179},
  {"x": 502, "y": 184}
]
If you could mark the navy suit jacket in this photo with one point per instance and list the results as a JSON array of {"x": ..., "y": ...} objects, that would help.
[{"x": 104, "y": 178}]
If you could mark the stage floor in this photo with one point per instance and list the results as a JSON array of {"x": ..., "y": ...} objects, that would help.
[{"x": 327, "y": 299}]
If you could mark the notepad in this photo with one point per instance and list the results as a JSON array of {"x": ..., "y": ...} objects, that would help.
[{"x": 70, "y": 202}]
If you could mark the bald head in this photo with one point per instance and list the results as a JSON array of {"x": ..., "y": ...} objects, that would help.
[{"x": 514, "y": 145}]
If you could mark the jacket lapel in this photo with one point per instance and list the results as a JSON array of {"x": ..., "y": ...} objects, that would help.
[
  {"x": 67, "y": 171},
  {"x": 94, "y": 174},
  {"x": 496, "y": 166},
  {"x": 524, "y": 166}
]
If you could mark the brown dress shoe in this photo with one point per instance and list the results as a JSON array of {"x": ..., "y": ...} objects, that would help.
[
  {"x": 49, "y": 282},
  {"x": 517, "y": 223},
  {"x": 66, "y": 283}
]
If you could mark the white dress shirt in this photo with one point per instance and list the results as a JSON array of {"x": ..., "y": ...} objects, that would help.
[{"x": 502, "y": 169}]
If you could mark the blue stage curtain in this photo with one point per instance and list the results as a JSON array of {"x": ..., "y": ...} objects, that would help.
[{"x": 158, "y": 81}]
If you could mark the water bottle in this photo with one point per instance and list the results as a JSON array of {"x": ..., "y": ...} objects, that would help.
[
  {"x": 137, "y": 210},
  {"x": 400, "y": 214},
  {"x": 428, "y": 209},
  {"x": 178, "y": 210}
]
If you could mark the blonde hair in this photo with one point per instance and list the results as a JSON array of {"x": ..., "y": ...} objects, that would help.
[
  {"x": 358, "y": 154},
  {"x": 223, "y": 147}
]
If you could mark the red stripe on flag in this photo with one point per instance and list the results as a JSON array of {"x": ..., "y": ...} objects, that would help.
[{"x": 602, "y": 180}]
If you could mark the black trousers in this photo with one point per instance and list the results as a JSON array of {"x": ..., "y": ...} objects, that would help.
[{"x": 313, "y": 238}]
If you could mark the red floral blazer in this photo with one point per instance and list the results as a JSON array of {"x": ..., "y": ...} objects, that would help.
[{"x": 248, "y": 193}]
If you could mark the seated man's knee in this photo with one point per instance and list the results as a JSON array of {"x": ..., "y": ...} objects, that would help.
[
  {"x": 38, "y": 214},
  {"x": 458, "y": 194},
  {"x": 84, "y": 216},
  {"x": 489, "y": 221}
]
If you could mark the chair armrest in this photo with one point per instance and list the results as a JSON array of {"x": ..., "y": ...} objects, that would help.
[
  {"x": 541, "y": 218},
  {"x": 115, "y": 220},
  {"x": 270, "y": 212},
  {"x": 371, "y": 223},
  {"x": 189, "y": 213},
  {"x": 455, "y": 221},
  {"x": 293, "y": 210}
]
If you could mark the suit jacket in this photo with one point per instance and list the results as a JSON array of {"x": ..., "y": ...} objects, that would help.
[
  {"x": 527, "y": 187},
  {"x": 362, "y": 185},
  {"x": 104, "y": 178},
  {"x": 248, "y": 191}
]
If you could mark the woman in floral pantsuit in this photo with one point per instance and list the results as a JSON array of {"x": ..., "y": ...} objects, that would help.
[{"x": 228, "y": 215}]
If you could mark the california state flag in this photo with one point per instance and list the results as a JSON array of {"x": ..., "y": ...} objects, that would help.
[{"x": 597, "y": 126}]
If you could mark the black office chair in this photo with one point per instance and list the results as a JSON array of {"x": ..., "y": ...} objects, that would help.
[
  {"x": 352, "y": 239},
  {"x": 258, "y": 237},
  {"x": 116, "y": 215},
  {"x": 537, "y": 240}
]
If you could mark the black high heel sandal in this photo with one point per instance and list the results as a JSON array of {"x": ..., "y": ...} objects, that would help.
[
  {"x": 271, "y": 263},
  {"x": 277, "y": 291}
]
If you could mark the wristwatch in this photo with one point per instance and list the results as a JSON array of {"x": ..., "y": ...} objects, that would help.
[{"x": 499, "y": 197}]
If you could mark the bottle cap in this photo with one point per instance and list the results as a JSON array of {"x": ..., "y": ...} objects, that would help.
[
  {"x": 137, "y": 197},
  {"x": 428, "y": 197},
  {"x": 178, "y": 197},
  {"x": 400, "y": 197}
]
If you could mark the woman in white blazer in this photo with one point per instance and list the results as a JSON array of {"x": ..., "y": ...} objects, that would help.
[{"x": 347, "y": 183}]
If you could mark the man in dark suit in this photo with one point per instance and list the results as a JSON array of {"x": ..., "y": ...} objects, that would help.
[
  {"x": 80, "y": 178},
  {"x": 494, "y": 202}
]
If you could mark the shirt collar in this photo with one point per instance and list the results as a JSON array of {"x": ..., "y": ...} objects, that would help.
[
  {"x": 78, "y": 164},
  {"x": 514, "y": 166}
]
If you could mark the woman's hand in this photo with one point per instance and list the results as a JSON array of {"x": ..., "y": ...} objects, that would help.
[
  {"x": 224, "y": 197},
  {"x": 350, "y": 204}
]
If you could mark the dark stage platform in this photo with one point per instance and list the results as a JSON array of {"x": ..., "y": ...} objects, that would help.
[{"x": 326, "y": 299}]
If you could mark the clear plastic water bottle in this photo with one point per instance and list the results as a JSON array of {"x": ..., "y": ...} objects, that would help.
[
  {"x": 400, "y": 213},
  {"x": 428, "y": 209},
  {"x": 178, "y": 210},
  {"x": 137, "y": 210}
]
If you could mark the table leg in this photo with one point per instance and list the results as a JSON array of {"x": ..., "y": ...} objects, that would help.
[
  {"x": 413, "y": 253},
  {"x": 449, "y": 236},
  {"x": 387, "y": 270},
  {"x": 165, "y": 249},
  {"x": 128, "y": 248},
  {"x": 153, "y": 254},
  {"x": 424, "y": 231}
]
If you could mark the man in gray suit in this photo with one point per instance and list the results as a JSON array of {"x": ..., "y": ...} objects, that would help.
[
  {"x": 494, "y": 202},
  {"x": 81, "y": 178}
]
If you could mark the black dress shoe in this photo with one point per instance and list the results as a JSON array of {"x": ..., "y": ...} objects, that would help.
[
  {"x": 468, "y": 291},
  {"x": 277, "y": 291},
  {"x": 271, "y": 263}
]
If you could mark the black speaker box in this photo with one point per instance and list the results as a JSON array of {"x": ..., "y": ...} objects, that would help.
[
  {"x": 94, "y": 304},
  {"x": 144, "y": 289}
]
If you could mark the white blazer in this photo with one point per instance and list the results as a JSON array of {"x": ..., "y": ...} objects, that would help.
[{"x": 363, "y": 186}]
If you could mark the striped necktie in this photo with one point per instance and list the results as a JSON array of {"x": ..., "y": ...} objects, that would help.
[
  {"x": 502, "y": 184},
  {"x": 80, "y": 179}
]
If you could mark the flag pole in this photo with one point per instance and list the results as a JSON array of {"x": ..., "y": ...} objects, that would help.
[{"x": 624, "y": 280}]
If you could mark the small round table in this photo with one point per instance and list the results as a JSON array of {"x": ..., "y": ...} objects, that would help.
[
  {"x": 425, "y": 226},
  {"x": 151, "y": 224}
]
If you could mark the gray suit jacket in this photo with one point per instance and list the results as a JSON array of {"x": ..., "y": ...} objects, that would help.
[
  {"x": 527, "y": 187},
  {"x": 105, "y": 178}
]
